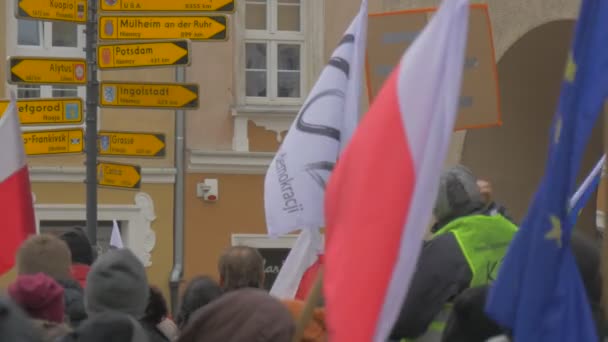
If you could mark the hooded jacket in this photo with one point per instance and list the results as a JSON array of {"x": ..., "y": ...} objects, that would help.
[
  {"x": 247, "y": 314},
  {"x": 15, "y": 326},
  {"x": 108, "y": 327}
]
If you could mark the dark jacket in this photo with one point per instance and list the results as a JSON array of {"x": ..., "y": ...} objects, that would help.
[
  {"x": 154, "y": 335},
  {"x": 74, "y": 302}
]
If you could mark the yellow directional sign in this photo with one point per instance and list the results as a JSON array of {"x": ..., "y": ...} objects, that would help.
[
  {"x": 56, "y": 10},
  {"x": 149, "y": 95},
  {"x": 34, "y": 70},
  {"x": 47, "y": 111},
  {"x": 168, "y": 5},
  {"x": 116, "y": 175},
  {"x": 131, "y": 144},
  {"x": 134, "y": 55},
  {"x": 53, "y": 142},
  {"x": 210, "y": 27}
]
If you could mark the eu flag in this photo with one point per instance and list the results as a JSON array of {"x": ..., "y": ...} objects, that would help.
[{"x": 539, "y": 293}]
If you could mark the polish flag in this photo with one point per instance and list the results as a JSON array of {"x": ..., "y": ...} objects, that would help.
[
  {"x": 380, "y": 197},
  {"x": 16, "y": 207}
]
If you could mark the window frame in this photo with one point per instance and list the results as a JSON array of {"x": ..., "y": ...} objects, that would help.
[
  {"x": 45, "y": 49},
  {"x": 273, "y": 37}
]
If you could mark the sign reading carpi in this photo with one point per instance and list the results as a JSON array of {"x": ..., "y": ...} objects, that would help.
[
  {"x": 168, "y": 5},
  {"x": 212, "y": 27},
  {"x": 35, "y": 70},
  {"x": 47, "y": 111},
  {"x": 55, "y": 10},
  {"x": 389, "y": 34},
  {"x": 131, "y": 144},
  {"x": 53, "y": 142},
  {"x": 115, "y": 175},
  {"x": 137, "y": 55},
  {"x": 149, "y": 95}
]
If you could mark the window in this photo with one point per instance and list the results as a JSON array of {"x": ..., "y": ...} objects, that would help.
[
  {"x": 274, "y": 43},
  {"x": 64, "y": 91},
  {"x": 28, "y": 91}
]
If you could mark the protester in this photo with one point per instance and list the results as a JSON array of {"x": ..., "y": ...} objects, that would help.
[
  {"x": 82, "y": 254},
  {"x": 241, "y": 315},
  {"x": 156, "y": 313},
  {"x": 117, "y": 282},
  {"x": 492, "y": 208},
  {"x": 241, "y": 267},
  {"x": 49, "y": 255},
  {"x": 315, "y": 331},
  {"x": 199, "y": 292},
  {"x": 465, "y": 251},
  {"x": 42, "y": 299},
  {"x": 15, "y": 325},
  {"x": 469, "y": 323},
  {"x": 108, "y": 327}
]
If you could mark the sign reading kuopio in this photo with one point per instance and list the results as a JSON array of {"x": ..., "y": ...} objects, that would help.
[
  {"x": 389, "y": 34},
  {"x": 56, "y": 10}
]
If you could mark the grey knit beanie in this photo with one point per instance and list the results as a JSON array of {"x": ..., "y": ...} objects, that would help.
[
  {"x": 458, "y": 194},
  {"x": 117, "y": 282}
]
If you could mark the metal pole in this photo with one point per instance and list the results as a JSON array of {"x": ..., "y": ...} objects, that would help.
[
  {"x": 178, "y": 202},
  {"x": 91, "y": 120}
]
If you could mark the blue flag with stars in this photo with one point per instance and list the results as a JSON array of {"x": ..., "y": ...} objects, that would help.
[{"x": 539, "y": 293}]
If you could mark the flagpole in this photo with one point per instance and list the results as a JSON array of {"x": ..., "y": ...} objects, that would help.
[
  {"x": 603, "y": 193},
  {"x": 309, "y": 306}
]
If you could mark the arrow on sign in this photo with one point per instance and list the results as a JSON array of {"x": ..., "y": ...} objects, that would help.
[
  {"x": 114, "y": 175},
  {"x": 64, "y": 10},
  {"x": 210, "y": 27},
  {"x": 134, "y": 55},
  {"x": 149, "y": 95},
  {"x": 47, "y": 111},
  {"x": 169, "y": 5},
  {"x": 53, "y": 142},
  {"x": 131, "y": 144},
  {"x": 34, "y": 70}
]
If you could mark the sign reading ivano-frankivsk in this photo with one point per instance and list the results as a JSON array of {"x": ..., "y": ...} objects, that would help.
[
  {"x": 137, "y": 55},
  {"x": 55, "y": 10},
  {"x": 131, "y": 144},
  {"x": 115, "y": 175},
  {"x": 210, "y": 27},
  {"x": 59, "y": 111},
  {"x": 149, "y": 95},
  {"x": 168, "y": 5},
  {"x": 36, "y": 70},
  {"x": 53, "y": 142}
]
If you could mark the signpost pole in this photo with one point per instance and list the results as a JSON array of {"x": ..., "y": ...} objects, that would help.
[{"x": 92, "y": 94}]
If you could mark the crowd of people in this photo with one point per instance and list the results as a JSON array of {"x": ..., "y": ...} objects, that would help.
[{"x": 64, "y": 293}]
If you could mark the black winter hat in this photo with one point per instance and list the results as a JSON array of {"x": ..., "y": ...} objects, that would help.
[
  {"x": 77, "y": 241},
  {"x": 108, "y": 326}
]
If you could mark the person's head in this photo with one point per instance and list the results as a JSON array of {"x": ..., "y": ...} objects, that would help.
[
  {"x": 109, "y": 326},
  {"x": 15, "y": 326},
  {"x": 458, "y": 194},
  {"x": 199, "y": 292},
  {"x": 242, "y": 315},
  {"x": 39, "y": 296},
  {"x": 316, "y": 330},
  {"x": 117, "y": 282},
  {"x": 485, "y": 188},
  {"x": 46, "y": 254},
  {"x": 240, "y": 267},
  {"x": 80, "y": 247},
  {"x": 156, "y": 310}
]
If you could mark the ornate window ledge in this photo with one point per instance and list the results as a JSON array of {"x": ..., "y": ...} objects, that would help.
[
  {"x": 137, "y": 231},
  {"x": 229, "y": 162},
  {"x": 273, "y": 118}
]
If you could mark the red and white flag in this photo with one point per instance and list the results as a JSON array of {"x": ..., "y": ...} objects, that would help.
[
  {"x": 379, "y": 199},
  {"x": 16, "y": 207}
]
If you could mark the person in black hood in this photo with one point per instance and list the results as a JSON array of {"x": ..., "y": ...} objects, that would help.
[
  {"x": 15, "y": 326},
  {"x": 465, "y": 251},
  {"x": 49, "y": 255}
]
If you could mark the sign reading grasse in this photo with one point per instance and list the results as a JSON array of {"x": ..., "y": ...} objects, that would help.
[
  {"x": 389, "y": 34},
  {"x": 56, "y": 10},
  {"x": 211, "y": 27},
  {"x": 116, "y": 175},
  {"x": 149, "y": 95},
  {"x": 131, "y": 144},
  {"x": 34, "y": 70},
  {"x": 168, "y": 5},
  {"x": 47, "y": 111},
  {"x": 53, "y": 142},
  {"x": 134, "y": 55}
]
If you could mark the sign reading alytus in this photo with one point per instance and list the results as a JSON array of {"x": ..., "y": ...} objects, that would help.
[
  {"x": 35, "y": 70},
  {"x": 211, "y": 27}
]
